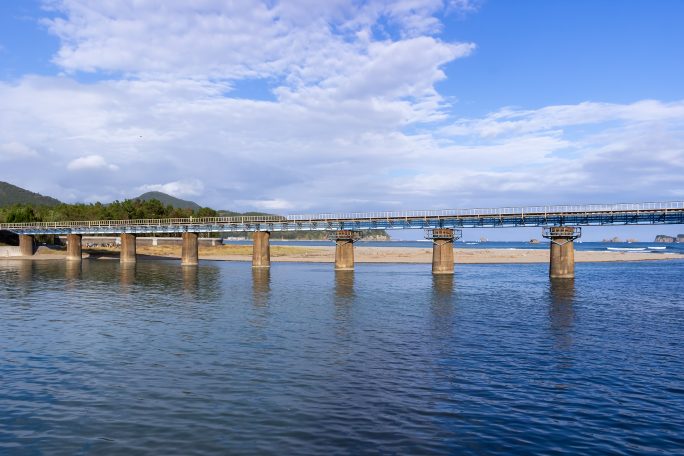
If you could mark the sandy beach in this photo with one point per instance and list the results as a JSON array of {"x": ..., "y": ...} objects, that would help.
[{"x": 321, "y": 254}]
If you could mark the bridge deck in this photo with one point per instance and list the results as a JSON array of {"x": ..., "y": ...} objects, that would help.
[{"x": 659, "y": 213}]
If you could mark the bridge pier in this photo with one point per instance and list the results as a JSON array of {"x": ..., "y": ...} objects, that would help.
[
  {"x": 74, "y": 247},
  {"x": 261, "y": 250},
  {"x": 344, "y": 248},
  {"x": 127, "y": 248},
  {"x": 562, "y": 255},
  {"x": 26, "y": 244},
  {"x": 442, "y": 249},
  {"x": 190, "y": 250}
]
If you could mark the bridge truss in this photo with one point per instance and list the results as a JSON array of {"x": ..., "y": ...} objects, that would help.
[{"x": 659, "y": 213}]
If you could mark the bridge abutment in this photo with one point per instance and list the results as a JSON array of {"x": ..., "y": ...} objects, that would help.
[
  {"x": 443, "y": 249},
  {"x": 261, "y": 250},
  {"x": 127, "y": 248},
  {"x": 74, "y": 247},
  {"x": 190, "y": 250},
  {"x": 562, "y": 254},
  {"x": 344, "y": 249},
  {"x": 26, "y": 244}
]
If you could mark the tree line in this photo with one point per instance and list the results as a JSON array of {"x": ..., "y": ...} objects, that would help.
[{"x": 118, "y": 210}]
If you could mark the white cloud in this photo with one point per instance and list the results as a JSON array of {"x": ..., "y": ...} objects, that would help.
[
  {"x": 15, "y": 151},
  {"x": 349, "y": 81},
  {"x": 90, "y": 162},
  {"x": 185, "y": 188},
  {"x": 271, "y": 204}
]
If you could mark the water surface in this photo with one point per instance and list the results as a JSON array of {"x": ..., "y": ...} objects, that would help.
[{"x": 220, "y": 359}]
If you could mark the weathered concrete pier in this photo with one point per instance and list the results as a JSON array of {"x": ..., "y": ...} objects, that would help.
[
  {"x": 261, "y": 253},
  {"x": 562, "y": 258},
  {"x": 190, "y": 249},
  {"x": 344, "y": 248},
  {"x": 128, "y": 250},
  {"x": 442, "y": 249},
  {"x": 26, "y": 244},
  {"x": 74, "y": 247}
]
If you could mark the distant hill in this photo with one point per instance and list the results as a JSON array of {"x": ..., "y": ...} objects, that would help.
[
  {"x": 11, "y": 194},
  {"x": 169, "y": 200}
]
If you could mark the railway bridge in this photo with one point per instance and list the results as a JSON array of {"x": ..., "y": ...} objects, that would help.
[{"x": 560, "y": 224}]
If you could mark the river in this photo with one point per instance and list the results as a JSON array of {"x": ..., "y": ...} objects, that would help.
[{"x": 154, "y": 358}]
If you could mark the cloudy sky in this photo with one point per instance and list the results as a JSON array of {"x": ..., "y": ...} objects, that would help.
[{"x": 309, "y": 105}]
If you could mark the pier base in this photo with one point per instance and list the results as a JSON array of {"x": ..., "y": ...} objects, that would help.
[
  {"x": 344, "y": 249},
  {"x": 261, "y": 253},
  {"x": 562, "y": 258},
  {"x": 26, "y": 244},
  {"x": 74, "y": 247},
  {"x": 190, "y": 250},
  {"x": 443, "y": 249},
  {"x": 127, "y": 248}
]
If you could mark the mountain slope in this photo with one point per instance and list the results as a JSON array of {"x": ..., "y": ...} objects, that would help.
[
  {"x": 169, "y": 200},
  {"x": 11, "y": 194}
]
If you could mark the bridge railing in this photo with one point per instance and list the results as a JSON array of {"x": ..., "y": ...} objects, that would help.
[
  {"x": 326, "y": 217},
  {"x": 149, "y": 222},
  {"x": 489, "y": 212}
]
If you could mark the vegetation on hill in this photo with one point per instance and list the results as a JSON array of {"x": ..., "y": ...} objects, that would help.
[
  {"x": 11, "y": 194},
  {"x": 118, "y": 210}
]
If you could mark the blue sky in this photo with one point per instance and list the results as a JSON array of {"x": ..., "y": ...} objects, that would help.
[{"x": 306, "y": 106}]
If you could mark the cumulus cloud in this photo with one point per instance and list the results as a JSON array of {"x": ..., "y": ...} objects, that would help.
[
  {"x": 90, "y": 162},
  {"x": 349, "y": 123}
]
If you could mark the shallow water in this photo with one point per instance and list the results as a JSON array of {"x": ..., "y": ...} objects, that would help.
[{"x": 219, "y": 359}]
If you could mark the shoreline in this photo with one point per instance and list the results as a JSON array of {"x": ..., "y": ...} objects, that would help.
[{"x": 325, "y": 254}]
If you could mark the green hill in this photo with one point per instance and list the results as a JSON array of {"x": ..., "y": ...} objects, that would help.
[
  {"x": 167, "y": 200},
  {"x": 11, "y": 194}
]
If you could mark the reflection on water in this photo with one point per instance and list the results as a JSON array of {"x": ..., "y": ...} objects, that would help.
[
  {"x": 127, "y": 275},
  {"x": 344, "y": 287},
  {"x": 261, "y": 286},
  {"x": 344, "y": 301},
  {"x": 190, "y": 279},
  {"x": 226, "y": 359},
  {"x": 561, "y": 310},
  {"x": 73, "y": 270},
  {"x": 442, "y": 306}
]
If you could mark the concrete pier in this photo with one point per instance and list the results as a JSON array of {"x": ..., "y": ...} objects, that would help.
[
  {"x": 190, "y": 250},
  {"x": 127, "y": 248},
  {"x": 261, "y": 253},
  {"x": 344, "y": 249},
  {"x": 442, "y": 249},
  {"x": 26, "y": 244},
  {"x": 562, "y": 258},
  {"x": 74, "y": 247}
]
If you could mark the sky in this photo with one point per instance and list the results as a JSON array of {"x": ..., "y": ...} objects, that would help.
[{"x": 305, "y": 106}]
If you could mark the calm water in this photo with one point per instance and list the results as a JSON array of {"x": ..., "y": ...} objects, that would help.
[{"x": 104, "y": 359}]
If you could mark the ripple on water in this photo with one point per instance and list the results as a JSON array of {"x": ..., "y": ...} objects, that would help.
[{"x": 153, "y": 357}]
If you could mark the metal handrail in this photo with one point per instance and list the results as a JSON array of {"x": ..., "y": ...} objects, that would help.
[
  {"x": 530, "y": 210},
  {"x": 388, "y": 215}
]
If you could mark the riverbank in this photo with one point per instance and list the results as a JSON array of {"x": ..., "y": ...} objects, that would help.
[{"x": 321, "y": 254}]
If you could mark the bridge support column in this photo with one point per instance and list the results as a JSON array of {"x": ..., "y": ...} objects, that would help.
[
  {"x": 190, "y": 250},
  {"x": 26, "y": 244},
  {"x": 261, "y": 253},
  {"x": 442, "y": 249},
  {"x": 127, "y": 248},
  {"x": 74, "y": 247},
  {"x": 562, "y": 258},
  {"x": 344, "y": 248}
]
